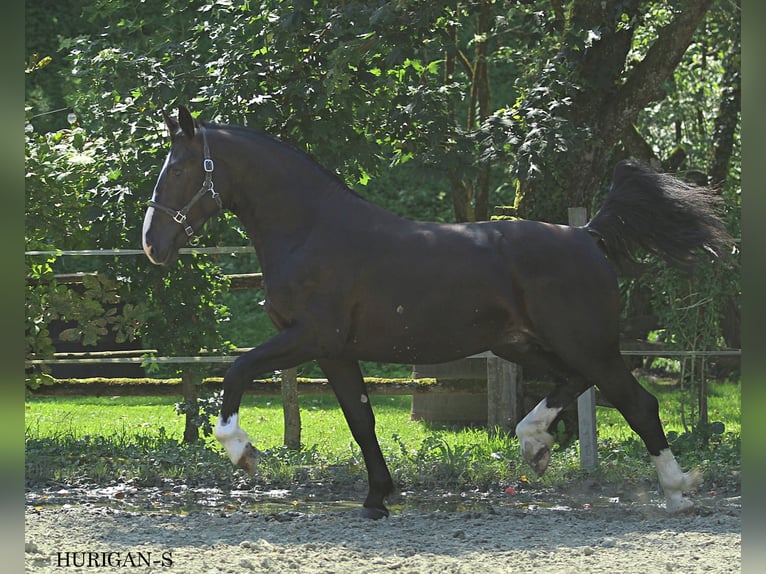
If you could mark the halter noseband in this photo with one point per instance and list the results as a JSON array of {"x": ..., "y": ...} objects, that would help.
[{"x": 179, "y": 216}]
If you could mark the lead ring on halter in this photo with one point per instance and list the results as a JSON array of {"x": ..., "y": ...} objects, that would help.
[{"x": 179, "y": 216}]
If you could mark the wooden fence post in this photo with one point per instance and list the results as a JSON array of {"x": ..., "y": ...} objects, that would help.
[
  {"x": 291, "y": 409},
  {"x": 189, "y": 389},
  {"x": 586, "y": 402},
  {"x": 504, "y": 395}
]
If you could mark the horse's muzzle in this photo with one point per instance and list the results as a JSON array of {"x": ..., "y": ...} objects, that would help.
[{"x": 155, "y": 253}]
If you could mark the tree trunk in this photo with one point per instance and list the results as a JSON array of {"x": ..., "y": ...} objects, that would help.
[
  {"x": 726, "y": 119},
  {"x": 470, "y": 195},
  {"x": 718, "y": 169},
  {"x": 480, "y": 104},
  {"x": 604, "y": 105}
]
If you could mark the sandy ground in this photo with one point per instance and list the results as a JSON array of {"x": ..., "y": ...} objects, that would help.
[{"x": 501, "y": 534}]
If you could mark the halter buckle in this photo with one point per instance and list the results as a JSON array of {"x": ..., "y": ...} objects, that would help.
[
  {"x": 208, "y": 165},
  {"x": 179, "y": 217}
]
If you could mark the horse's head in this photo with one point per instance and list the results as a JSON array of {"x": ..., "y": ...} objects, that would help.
[{"x": 184, "y": 197}]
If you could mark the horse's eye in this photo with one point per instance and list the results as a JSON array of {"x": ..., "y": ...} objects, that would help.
[{"x": 177, "y": 172}]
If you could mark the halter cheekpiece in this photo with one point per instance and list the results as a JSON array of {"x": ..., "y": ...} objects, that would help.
[{"x": 179, "y": 216}]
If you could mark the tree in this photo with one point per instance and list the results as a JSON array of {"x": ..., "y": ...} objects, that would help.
[
  {"x": 695, "y": 130},
  {"x": 61, "y": 168},
  {"x": 95, "y": 178},
  {"x": 612, "y": 63},
  {"x": 479, "y": 97}
]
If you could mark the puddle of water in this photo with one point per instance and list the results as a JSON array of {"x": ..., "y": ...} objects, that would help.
[
  {"x": 186, "y": 500},
  {"x": 183, "y": 500}
]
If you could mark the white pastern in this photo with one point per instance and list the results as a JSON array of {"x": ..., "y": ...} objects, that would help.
[
  {"x": 674, "y": 481},
  {"x": 232, "y": 437},
  {"x": 535, "y": 439}
]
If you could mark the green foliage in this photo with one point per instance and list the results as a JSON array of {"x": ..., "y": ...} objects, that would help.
[
  {"x": 439, "y": 461},
  {"x": 545, "y": 139},
  {"x": 185, "y": 308},
  {"x": 691, "y": 309},
  {"x": 88, "y": 176},
  {"x": 394, "y": 95},
  {"x": 48, "y": 26},
  {"x": 695, "y": 91},
  {"x": 202, "y": 410},
  {"x": 63, "y": 174},
  {"x": 144, "y": 459},
  {"x": 60, "y": 171}
]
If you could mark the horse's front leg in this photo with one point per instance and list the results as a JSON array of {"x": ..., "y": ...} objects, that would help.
[
  {"x": 348, "y": 384},
  {"x": 285, "y": 350}
]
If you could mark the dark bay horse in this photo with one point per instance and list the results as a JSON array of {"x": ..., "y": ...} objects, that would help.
[{"x": 348, "y": 281}]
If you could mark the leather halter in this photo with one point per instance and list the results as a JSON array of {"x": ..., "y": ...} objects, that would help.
[{"x": 179, "y": 216}]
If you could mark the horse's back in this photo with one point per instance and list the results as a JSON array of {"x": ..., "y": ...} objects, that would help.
[{"x": 444, "y": 290}]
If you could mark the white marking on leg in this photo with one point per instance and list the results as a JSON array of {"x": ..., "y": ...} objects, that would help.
[
  {"x": 674, "y": 481},
  {"x": 232, "y": 437},
  {"x": 535, "y": 439},
  {"x": 537, "y": 421}
]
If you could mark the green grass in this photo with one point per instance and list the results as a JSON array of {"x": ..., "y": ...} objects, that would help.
[
  {"x": 322, "y": 420},
  {"x": 723, "y": 406},
  {"x": 136, "y": 439}
]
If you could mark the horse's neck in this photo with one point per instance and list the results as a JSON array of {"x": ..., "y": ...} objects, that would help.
[{"x": 282, "y": 198}]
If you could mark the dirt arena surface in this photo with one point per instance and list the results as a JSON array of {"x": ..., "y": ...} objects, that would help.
[{"x": 488, "y": 533}]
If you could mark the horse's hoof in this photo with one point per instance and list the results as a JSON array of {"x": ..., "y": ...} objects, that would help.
[
  {"x": 692, "y": 479},
  {"x": 536, "y": 451},
  {"x": 374, "y": 513},
  {"x": 249, "y": 459},
  {"x": 538, "y": 459},
  {"x": 540, "y": 462},
  {"x": 678, "y": 505}
]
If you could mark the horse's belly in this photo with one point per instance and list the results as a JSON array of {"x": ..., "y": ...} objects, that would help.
[{"x": 425, "y": 333}]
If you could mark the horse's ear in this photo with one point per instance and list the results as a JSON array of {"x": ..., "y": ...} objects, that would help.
[
  {"x": 172, "y": 125},
  {"x": 186, "y": 121}
]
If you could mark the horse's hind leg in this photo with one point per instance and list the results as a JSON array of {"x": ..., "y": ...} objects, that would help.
[
  {"x": 348, "y": 384},
  {"x": 641, "y": 410},
  {"x": 637, "y": 405}
]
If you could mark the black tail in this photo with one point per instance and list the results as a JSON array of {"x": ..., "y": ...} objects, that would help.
[{"x": 660, "y": 214}]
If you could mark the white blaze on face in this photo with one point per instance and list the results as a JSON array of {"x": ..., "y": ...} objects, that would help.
[
  {"x": 150, "y": 211},
  {"x": 232, "y": 437},
  {"x": 147, "y": 223}
]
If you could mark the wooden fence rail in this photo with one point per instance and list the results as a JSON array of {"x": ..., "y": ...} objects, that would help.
[
  {"x": 503, "y": 385},
  {"x": 94, "y": 358},
  {"x": 136, "y": 357},
  {"x": 182, "y": 251}
]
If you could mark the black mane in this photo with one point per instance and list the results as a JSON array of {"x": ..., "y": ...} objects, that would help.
[{"x": 303, "y": 155}]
